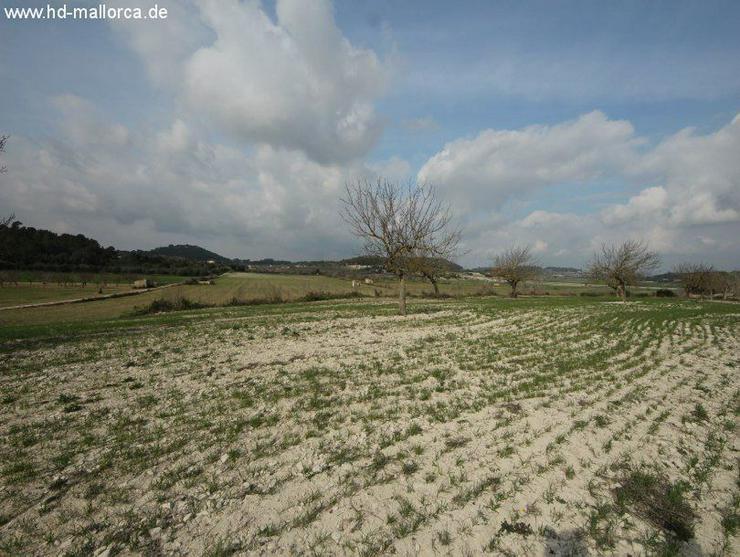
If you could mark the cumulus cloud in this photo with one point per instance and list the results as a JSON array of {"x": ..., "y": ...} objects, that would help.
[
  {"x": 163, "y": 46},
  {"x": 171, "y": 186},
  {"x": 694, "y": 191},
  {"x": 648, "y": 203},
  {"x": 294, "y": 83},
  {"x": 497, "y": 164},
  {"x": 395, "y": 169}
]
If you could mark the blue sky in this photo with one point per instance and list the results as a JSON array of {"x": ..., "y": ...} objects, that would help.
[{"x": 253, "y": 116}]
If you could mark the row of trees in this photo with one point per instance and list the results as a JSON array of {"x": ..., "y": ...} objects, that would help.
[
  {"x": 621, "y": 266},
  {"x": 27, "y": 248},
  {"x": 23, "y": 247},
  {"x": 699, "y": 279},
  {"x": 411, "y": 230},
  {"x": 618, "y": 266}
]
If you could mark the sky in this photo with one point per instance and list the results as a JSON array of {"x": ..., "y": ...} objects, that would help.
[{"x": 235, "y": 125}]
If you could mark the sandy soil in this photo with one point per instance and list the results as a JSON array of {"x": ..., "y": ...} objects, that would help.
[{"x": 455, "y": 431}]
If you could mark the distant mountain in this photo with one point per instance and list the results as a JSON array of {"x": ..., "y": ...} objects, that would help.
[
  {"x": 665, "y": 277},
  {"x": 186, "y": 251}
]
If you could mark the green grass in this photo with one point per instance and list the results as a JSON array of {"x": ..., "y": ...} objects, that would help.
[
  {"x": 241, "y": 288},
  {"x": 37, "y": 293}
]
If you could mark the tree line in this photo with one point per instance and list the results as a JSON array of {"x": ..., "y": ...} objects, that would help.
[
  {"x": 28, "y": 248},
  {"x": 411, "y": 231}
]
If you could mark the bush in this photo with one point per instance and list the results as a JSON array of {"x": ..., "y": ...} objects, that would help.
[
  {"x": 318, "y": 296},
  {"x": 665, "y": 293},
  {"x": 271, "y": 299},
  {"x": 162, "y": 305},
  {"x": 277, "y": 298}
]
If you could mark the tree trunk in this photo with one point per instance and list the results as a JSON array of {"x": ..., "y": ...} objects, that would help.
[
  {"x": 435, "y": 285},
  {"x": 513, "y": 289},
  {"x": 402, "y": 295},
  {"x": 622, "y": 291}
]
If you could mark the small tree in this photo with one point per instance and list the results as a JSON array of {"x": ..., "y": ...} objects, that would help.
[
  {"x": 695, "y": 278},
  {"x": 431, "y": 268},
  {"x": 723, "y": 283},
  {"x": 623, "y": 265},
  {"x": 400, "y": 224},
  {"x": 515, "y": 265}
]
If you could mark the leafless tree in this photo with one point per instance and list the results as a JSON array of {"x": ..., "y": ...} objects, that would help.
[
  {"x": 515, "y": 265},
  {"x": 400, "y": 224},
  {"x": 723, "y": 283},
  {"x": 3, "y": 141},
  {"x": 431, "y": 268},
  {"x": 622, "y": 265},
  {"x": 696, "y": 278},
  {"x": 7, "y": 221}
]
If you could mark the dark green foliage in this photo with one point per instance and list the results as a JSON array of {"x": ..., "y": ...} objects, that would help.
[
  {"x": 521, "y": 528},
  {"x": 161, "y": 306},
  {"x": 27, "y": 247},
  {"x": 187, "y": 251}
]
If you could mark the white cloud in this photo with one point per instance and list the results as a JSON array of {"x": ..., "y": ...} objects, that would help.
[
  {"x": 294, "y": 83},
  {"x": 163, "y": 45},
  {"x": 394, "y": 169},
  {"x": 539, "y": 218},
  {"x": 648, "y": 203},
  {"x": 697, "y": 196},
  {"x": 539, "y": 246},
  {"x": 172, "y": 186},
  {"x": 498, "y": 164}
]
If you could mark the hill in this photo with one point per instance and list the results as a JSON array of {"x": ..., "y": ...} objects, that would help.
[{"x": 187, "y": 251}]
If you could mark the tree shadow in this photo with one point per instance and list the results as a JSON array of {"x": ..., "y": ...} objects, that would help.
[
  {"x": 568, "y": 543},
  {"x": 572, "y": 543}
]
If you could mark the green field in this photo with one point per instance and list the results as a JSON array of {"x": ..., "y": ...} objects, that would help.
[
  {"x": 26, "y": 287},
  {"x": 245, "y": 288}
]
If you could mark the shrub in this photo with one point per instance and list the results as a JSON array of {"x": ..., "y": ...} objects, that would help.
[
  {"x": 162, "y": 305},
  {"x": 665, "y": 293},
  {"x": 318, "y": 296}
]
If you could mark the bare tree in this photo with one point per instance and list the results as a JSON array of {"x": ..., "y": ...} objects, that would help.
[
  {"x": 431, "y": 268},
  {"x": 621, "y": 266},
  {"x": 3, "y": 141},
  {"x": 515, "y": 265},
  {"x": 400, "y": 224},
  {"x": 696, "y": 278},
  {"x": 723, "y": 283},
  {"x": 7, "y": 221}
]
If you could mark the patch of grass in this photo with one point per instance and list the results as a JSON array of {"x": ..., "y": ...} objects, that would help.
[
  {"x": 699, "y": 413},
  {"x": 654, "y": 498},
  {"x": 521, "y": 528}
]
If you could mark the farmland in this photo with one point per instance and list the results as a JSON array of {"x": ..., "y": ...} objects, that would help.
[
  {"x": 21, "y": 288},
  {"x": 243, "y": 288},
  {"x": 514, "y": 427}
]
